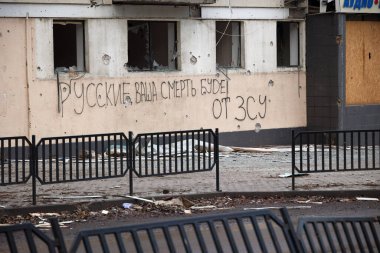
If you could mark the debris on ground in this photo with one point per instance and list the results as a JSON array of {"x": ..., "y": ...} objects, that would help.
[
  {"x": 367, "y": 199},
  {"x": 285, "y": 175},
  {"x": 74, "y": 197},
  {"x": 127, "y": 205},
  {"x": 142, "y": 208}
]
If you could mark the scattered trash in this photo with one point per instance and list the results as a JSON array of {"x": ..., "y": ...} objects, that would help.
[
  {"x": 105, "y": 212},
  {"x": 276, "y": 207},
  {"x": 170, "y": 202},
  {"x": 309, "y": 202},
  {"x": 261, "y": 208},
  {"x": 73, "y": 197},
  {"x": 44, "y": 214},
  {"x": 127, "y": 205},
  {"x": 138, "y": 198},
  {"x": 203, "y": 207},
  {"x": 114, "y": 187},
  {"x": 290, "y": 175},
  {"x": 2, "y": 206},
  {"x": 187, "y": 211},
  {"x": 298, "y": 207},
  {"x": 365, "y": 198},
  {"x": 117, "y": 151}
]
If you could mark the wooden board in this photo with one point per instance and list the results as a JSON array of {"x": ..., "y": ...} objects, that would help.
[{"x": 362, "y": 62}]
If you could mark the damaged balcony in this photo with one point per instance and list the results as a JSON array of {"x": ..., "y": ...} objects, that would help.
[{"x": 165, "y": 2}]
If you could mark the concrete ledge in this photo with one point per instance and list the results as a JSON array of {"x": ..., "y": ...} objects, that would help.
[{"x": 99, "y": 205}]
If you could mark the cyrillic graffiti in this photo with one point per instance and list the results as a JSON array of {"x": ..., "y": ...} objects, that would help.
[
  {"x": 247, "y": 107},
  {"x": 84, "y": 95},
  {"x": 360, "y": 4}
]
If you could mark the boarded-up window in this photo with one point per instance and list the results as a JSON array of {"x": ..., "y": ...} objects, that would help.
[
  {"x": 362, "y": 62},
  {"x": 152, "y": 46},
  {"x": 287, "y": 44},
  {"x": 68, "y": 39},
  {"x": 228, "y": 44}
]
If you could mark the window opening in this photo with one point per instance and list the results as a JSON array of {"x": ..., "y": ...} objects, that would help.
[
  {"x": 228, "y": 47},
  {"x": 287, "y": 44},
  {"x": 152, "y": 46},
  {"x": 68, "y": 37}
]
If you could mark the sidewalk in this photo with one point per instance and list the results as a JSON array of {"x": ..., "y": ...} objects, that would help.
[{"x": 239, "y": 172}]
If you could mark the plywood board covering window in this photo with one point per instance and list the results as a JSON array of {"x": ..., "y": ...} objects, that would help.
[
  {"x": 228, "y": 44},
  {"x": 362, "y": 62},
  {"x": 152, "y": 46},
  {"x": 68, "y": 39},
  {"x": 287, "y": 44}
]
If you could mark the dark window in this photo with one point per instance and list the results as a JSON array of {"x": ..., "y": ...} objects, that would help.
[
  {"x": 68, "y": 42},
  {"x": 152, "y": 45},
  {"x": 228, "y": 44},
  {"x": 287, "y": 44}
]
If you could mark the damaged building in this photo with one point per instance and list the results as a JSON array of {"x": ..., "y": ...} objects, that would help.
[
  {"x": 80, "y": 67},
  {"x": 343, "y": 59}
]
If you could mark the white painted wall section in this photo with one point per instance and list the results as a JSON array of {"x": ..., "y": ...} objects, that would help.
[
  {"x": 107, "y": 47},
  {"x": 198, "y": 41},
  {"x": 260, "y": 46},
  {"x": 244, "y": 13},
  {"x": 44, "y": 56}
]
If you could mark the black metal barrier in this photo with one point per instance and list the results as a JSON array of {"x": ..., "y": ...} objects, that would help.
[
  {"x": 332, "y": 151},
  {"x": 339, "y": 234},
  {"x": 100, "y": 156},
  {"x": 239, "y": 231},
  {"x": 15, "y": 159}
]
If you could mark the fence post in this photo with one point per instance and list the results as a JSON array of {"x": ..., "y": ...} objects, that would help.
[
  {"x": 217, "y": 159},
  {"x": 33, "y": 161},
  {"x": 130, "y": 161},
  {"x": 293, "y": 160}
]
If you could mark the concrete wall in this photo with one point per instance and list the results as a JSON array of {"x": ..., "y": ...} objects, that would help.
[
  {"x": 323, "y": 100},
  {"x": 14, "y": 103},
  {"x": 326, "y": 76},
  {"x": 110, "y": 99}
]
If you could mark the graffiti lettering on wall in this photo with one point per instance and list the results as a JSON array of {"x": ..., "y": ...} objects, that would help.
[
  {"x": 247, "y": 107},
  {"x": 84, "y": 95},
  {"x": 91, "y": 94}
]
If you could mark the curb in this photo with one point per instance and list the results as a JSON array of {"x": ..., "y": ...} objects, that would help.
[{"x": 99, "y": 205}]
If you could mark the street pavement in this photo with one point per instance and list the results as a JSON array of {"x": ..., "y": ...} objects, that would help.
[{"x": 239, "y": 172}]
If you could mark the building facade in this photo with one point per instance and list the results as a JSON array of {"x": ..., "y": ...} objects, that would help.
[
  {"x": 82, "y": 67},
  {"x": 343, "y": 59}
]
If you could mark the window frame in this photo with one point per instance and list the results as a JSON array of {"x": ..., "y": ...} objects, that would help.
[
  {"x": 151, "y": 67},
  {"x": 240, "y": 63},
  {"x": 83, "y": 62},
  {"x": 298, "y": 51}
]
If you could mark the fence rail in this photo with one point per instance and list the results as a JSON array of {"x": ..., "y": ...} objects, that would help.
[
  {"x": 15, "y": 160},
  {"x": 238, "y": 231},
  {"x": 333, "y": 151},
  {"x": 66, "y": 159},
  {"x": 169, "y": 153},
  {"x": 80, "y": 158},
  {"x": 259, "y": 231},
  {"x": 339, "y": 234}
]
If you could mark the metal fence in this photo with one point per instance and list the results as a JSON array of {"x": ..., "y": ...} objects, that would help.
[
  {"x": 15, "y": 160},
  {"x": 332, "y": 151},
  {"x": 258, "y": 231},
  {"x": 80, "y": 158},
  {"x": 339, "y": 234},
  {"x": 100, "y": 156},
  {"x": 239, "y": 231}
]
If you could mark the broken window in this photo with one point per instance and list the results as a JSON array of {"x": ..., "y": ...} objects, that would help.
[
  {"x": 228, "y": 44},
  {"x": 152, "y": 45},
  {"x": 68, "y": 40},
  {"x": 287, "y": 44}
]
